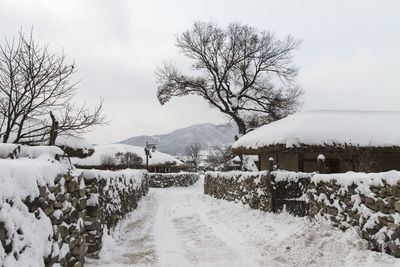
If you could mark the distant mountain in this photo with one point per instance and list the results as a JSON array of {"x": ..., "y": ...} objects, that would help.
[{"x": 175, "y": 143}]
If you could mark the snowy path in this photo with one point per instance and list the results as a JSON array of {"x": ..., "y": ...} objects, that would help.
[{"x": 183, "y": 227}]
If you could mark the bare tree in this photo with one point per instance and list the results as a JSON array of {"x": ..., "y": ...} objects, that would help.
[
  {"x": 359, "y": 159},
  {"x": 108, "y": 161},
  {"x": 244, "y": 73},
  {"x": 220, "y": 157},
  {"x": 193, "y": 151},
  {"x": 129, "y": 159},
  {"x": 36, "y": 91}
]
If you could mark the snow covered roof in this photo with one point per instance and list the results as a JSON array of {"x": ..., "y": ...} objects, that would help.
[
  {"x": 74, "y": 146},
  {"x": 158, "y": 158},
  {"x": 324, "y": 127},
  {"x": 32, "y": 152},
  {"x": 74, "y": 142}
]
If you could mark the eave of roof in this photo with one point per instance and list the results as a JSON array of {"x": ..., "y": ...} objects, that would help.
[{"x": 337, "y": 148}]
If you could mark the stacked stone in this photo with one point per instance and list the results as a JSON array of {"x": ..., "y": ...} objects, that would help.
[
  {"x": 375, "y": 216},
  {"x": 94, "y": 214},
  {"x": 109, "y": 200},
  {"x": 289, "y": 194},
  {"x": 64, "y": 204},
  {"x": 248, "y": 187},
  {"x": 181, "y": 179}
]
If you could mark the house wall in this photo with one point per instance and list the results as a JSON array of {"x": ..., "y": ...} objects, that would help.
[
  {"x": 388, "y": 161},
  {"x": 286, "y": 161},
  {"x": 335, "y": 162}
]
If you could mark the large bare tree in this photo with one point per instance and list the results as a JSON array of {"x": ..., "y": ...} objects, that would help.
[
  {"x": 36, "y": 95},
  {"x": 245, "y": 73}
]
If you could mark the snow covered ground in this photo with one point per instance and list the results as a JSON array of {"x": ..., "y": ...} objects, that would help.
[{"x": 184, "y": 227}]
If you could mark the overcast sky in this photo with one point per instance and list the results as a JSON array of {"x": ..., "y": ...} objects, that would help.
[{"x": 349, "y": 57}]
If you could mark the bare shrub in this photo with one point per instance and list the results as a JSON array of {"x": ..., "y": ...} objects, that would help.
[
  {"x": 108, "y": 161},
  {"x": 129, "y": 159}
]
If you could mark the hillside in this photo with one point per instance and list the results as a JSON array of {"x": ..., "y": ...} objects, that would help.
[{"x": 206, "y": 134}]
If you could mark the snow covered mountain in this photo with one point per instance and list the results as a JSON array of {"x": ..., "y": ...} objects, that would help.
[{"x": 175, "y": 143}]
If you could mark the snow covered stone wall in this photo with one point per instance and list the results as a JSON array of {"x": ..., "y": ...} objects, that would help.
[
  {"x": 368, "y": 202},
  {"x": 42, "y": 211},
  {"x": 248, "y": 187},
  {"x": 180, "y": 179},
  {"x": 110, "y": 196},
  {"x": 52, "y": 214},
  {"x": 270, "y": 192}
]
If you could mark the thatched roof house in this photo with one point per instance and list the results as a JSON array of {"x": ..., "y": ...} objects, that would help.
[
  {"x": 74, "y": 146},
  {"x": 349, "y": 140},
  {"x": 107, "y": 157}
]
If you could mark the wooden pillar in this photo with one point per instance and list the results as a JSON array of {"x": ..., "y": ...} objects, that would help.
[{"x": 271, "y": 184}]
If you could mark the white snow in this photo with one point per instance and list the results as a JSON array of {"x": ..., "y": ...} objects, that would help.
[
  {"x": 289, "y": 176},
  {"x": 33, "y": 152},
  {"x": 249, "y": 163},
  {"x": 57, "y": 214},
  {"x": 93, "y": 200},
  {"x": 112, "y": 149},
  {"x": 74, "y": 142},
  {"x": 19, "y": 179},
  {"x": 184, "y": 227},
  {"x": 236, "y": 175},
  {"x": 128, "y": 176},
  {"x": 321, "y": 157},
  {"x": 362, "y": 128},
  {"x": 362, "y": 180}
]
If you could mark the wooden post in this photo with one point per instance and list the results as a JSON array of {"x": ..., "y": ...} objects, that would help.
[
  {"x": 271, "y": 184},
  {"x": 321, "y": 167},
  {"x": 270, "y": 164}
]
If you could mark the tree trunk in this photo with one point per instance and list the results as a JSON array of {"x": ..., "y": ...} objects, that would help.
[
  {"x": 240, "y": 123},
  {"x": 53, "y": 130}
]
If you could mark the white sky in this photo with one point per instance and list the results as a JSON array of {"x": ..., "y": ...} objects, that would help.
[{"x": 349, "y": 58}]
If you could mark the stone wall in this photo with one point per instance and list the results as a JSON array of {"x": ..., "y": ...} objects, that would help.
[
  {"x": 368, "y": 202},
  {"x": 247, "y": 187},
  {"x": 111, "y": 195},
  {"x": 180, "y": 179},
  {"x": 57, "y": 211},
  {"x": 266, "y": 191},
  {"x": 52, "y": 213}
]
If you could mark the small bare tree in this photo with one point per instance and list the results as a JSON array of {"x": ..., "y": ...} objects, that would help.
[
  {"x": 36, "y": 91},
  {"x": 108, "y": 161},
  {"x": 129, "y": 159},
  {"x": 193, "y": 152},
  {"x": 359, "y": 159},
  {"x": 220, "y": 157},
  {"x": 244, "y": 73}
]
